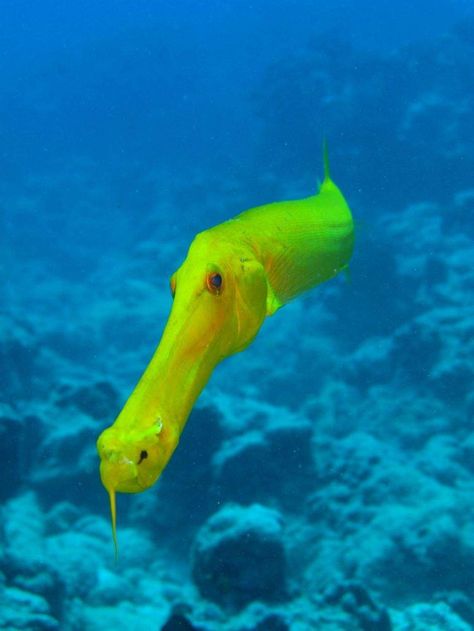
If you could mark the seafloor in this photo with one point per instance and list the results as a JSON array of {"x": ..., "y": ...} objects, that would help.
[{"x": 325, "y": 479}]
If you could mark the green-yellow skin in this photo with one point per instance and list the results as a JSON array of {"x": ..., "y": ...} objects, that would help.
[{"x": 264, "y": 257}]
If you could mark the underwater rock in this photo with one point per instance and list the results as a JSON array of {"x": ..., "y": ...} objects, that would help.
[
  {"x": 20, "y": 609},
  {"x": 271, "y": 622},
  {"x": 399, "y": 531},
  {"x": 11, "y": 435},
  {"x": 371, "y": 363},
  {"x": 202, "y": 438},
  {"x": 20, "y": 435},
  {"x": 18, "y": 354},
  {"x": 415, "y": 87},
  {"x": 277, "y": 462},
  {"x": 90, "y": 576},
  {"x": 467, "y": 450},
  {"x": 460, "y": 603},
  {"x": 427, "y": 617},
  {"x": 188, "y": 477},
  {"x": 440, "y": 459},
  {"x": 433, "y": 350},
  {"x": 99, "y": 400},
  {"x": 66, "y": 458},
  {"x": 178, "y": 622},
  {"x": 354, "y": 461},
  {"x": 463, "y": 207},
  {"x": 413, "y": 551},
  {"x": 105, "y": 590},
  {"x": 441, "y": 340},
  {"x": 239, "y": 556},
  {"x": 355, "y": 599},
  {"x": 25, "y": 563}
]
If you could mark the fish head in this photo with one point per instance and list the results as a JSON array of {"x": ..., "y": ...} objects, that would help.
[
  {"x": 132, "y": 459},
  {"x": 220, "y": 293}
]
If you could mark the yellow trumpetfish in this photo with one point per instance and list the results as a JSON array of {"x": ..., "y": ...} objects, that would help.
[{"x": 235, "y": 274}]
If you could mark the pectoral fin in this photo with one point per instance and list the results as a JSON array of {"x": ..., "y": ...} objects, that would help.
[{"x": 273, "y": 304}]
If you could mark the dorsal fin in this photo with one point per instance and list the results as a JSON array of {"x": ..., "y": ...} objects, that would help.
[
  {"x": 327, "y": 182},
  {"x": 326, "y": 160}
]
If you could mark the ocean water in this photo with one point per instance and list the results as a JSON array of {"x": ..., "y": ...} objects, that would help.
[{"x": 325, "y": 478}]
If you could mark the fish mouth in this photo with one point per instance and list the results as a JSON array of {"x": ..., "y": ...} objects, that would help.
[{"x": 121, "y": 475}]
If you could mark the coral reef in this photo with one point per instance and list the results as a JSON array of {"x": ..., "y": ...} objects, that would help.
[
  {"x": 325, "y": 478},
  {"x": 239, "y": 556}
]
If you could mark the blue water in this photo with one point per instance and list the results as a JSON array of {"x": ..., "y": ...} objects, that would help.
[{"x": 325, "y": 477}]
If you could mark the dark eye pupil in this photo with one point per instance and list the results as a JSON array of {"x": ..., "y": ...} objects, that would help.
[{"x": 216, "y": 280}]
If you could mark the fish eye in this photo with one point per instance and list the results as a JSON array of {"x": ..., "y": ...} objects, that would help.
[
  {"x": 214, "y": 283},
  {"x": 173, "y": 285}
]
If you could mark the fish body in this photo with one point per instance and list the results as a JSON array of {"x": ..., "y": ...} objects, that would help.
[
  {"x": 300, "y": 243},
  {"x": 235, "y": 274}
]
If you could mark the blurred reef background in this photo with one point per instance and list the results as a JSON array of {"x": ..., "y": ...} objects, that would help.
[{"x": 325, "y": 479}]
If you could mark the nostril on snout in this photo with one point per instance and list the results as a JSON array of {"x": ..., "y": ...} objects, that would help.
[{"x": 143, "y": 455}]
